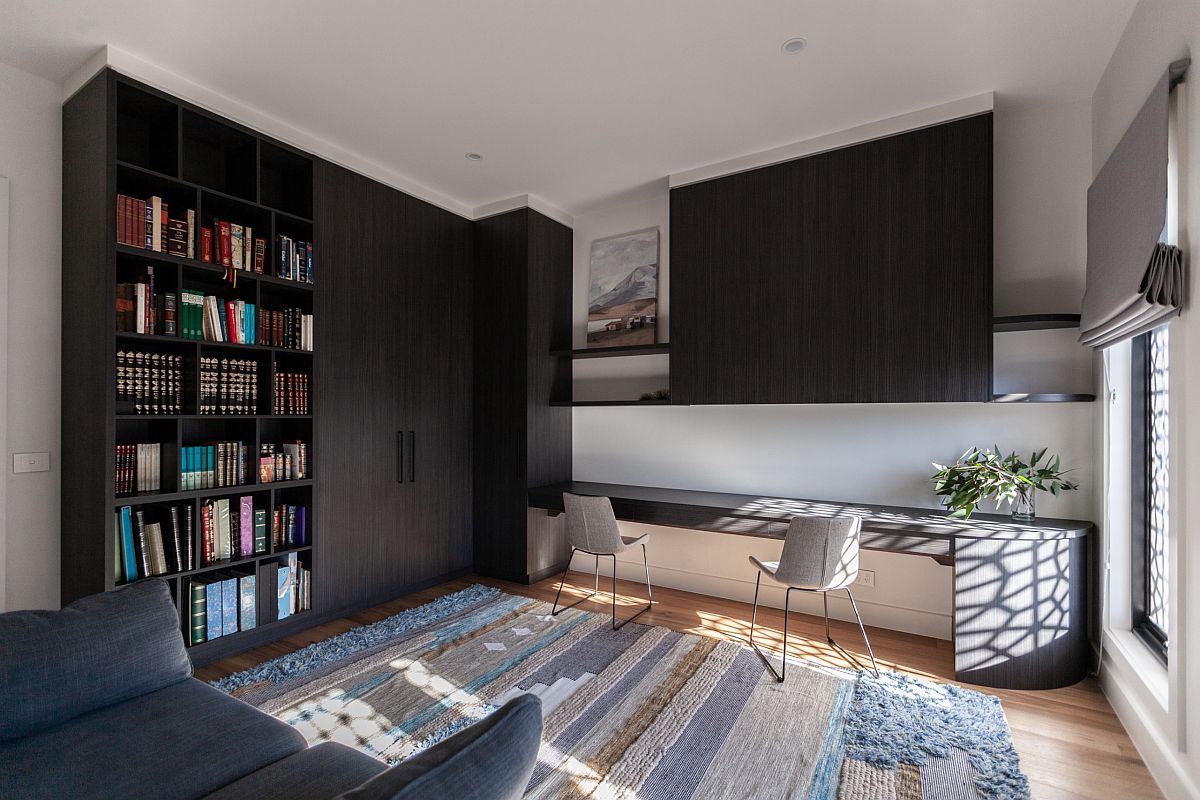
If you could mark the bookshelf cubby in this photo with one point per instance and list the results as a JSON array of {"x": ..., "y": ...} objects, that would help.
[{"x": 121, "y": 137}]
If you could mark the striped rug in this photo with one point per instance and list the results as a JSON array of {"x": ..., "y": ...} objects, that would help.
[{"x": 643, "y": 712}]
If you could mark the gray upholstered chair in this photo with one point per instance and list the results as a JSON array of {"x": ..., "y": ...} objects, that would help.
[
  {"x": 592, "y": 529},
  {"x": 820, "y": 554}
]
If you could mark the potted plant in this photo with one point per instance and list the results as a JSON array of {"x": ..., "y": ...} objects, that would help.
[{"x": 982, "y": 474}]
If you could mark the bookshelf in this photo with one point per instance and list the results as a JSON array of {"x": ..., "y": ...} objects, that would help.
[{"x": 121, "y": 137}]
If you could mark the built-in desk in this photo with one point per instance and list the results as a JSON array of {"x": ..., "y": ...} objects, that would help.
[{"x": 1020, "y": 589}]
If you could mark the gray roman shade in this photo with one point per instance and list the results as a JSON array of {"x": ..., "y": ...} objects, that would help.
[{"x": 1134, "y": 282}]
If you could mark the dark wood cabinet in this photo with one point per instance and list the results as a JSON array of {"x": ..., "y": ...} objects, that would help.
[
  {"x": 522, "y": 298},
  {"x": 863, "y": 274},
  {"x": 392, "y": 343}
]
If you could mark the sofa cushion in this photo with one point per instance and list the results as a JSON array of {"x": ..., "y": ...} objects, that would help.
[
  {"x": 178, "y": 743},
  {"x": 491, "y": 760},
  {"x": 101, "y": 650},
  {"x": 318, "y": 773}
]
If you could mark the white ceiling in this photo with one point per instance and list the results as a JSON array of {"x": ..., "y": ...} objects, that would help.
[{"x": 577, "y": 102}]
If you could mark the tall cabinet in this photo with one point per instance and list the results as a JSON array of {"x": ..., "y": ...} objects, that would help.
[
  {"x": 393, "y": 345},
  {"x": 522, "y": 291}
]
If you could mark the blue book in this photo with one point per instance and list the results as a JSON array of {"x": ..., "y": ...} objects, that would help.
[
  {"x": 248, "y": 601},
  {"x": 210, "y": 466},
  {"x": 212, "y": 602},
  {"x": 284, "y": 593},
  {"x": 189, "y": 475},
  {"x": 129, "y": 556},
  {"x": 229, "y": 606},
  {"x": 301, "y": 525}
]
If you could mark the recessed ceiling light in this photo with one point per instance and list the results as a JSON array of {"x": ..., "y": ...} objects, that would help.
[
  {"x": 793, "y": 46},
  {"x": 474, "y": 157}
]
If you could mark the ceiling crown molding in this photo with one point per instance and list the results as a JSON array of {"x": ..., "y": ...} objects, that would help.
[
  {"x": 153, "y": 75},
  {"x": 525, "y": 201},
  {"x": 902, "y": 123}
]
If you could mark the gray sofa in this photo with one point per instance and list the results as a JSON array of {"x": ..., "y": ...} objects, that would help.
[{"x": 98, "y": 701}]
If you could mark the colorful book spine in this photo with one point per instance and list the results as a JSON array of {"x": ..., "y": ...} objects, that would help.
[
  {"x": 127, "y": 549},
  {"x": 248, "y": 601},
  {"x": 212, "y": 598},
  {"x": 229, "y": 606},
  {"x": 199, "y": 615},
  {"x": 260, "y": 531},
  {"x": 284, "y": 591},
  {"x": 246, "y": 525}
]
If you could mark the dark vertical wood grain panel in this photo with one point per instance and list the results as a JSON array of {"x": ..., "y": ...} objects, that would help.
[
  {"x": 392, "y": 347},
  {"x": 1020, "y": 613},
  {"x": 500, "y": 291},
  {"x": 522, "y": 296},
  {"x": 859, "y": 275},
  {"x": 88, "y": 350}
]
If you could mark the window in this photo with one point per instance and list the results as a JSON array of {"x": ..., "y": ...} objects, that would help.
[
  {"x": 1151, "y": 479},
  {"x": 1151, "y": 488}
]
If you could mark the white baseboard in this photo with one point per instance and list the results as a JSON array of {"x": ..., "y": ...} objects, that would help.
[
  {"x": 1144, "y": 720},
  {"x": 893, "y": 617}
]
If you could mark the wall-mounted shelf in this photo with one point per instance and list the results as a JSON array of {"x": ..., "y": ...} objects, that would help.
[
  {"x": 1024, "y": 397},
  {"x": 582, "y": 403},
  {"x": 1034, "y": 322},
  {"x": 609, "y": 352}
]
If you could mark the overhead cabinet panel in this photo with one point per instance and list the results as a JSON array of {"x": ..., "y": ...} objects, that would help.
[{"x": 863, "y": 274}]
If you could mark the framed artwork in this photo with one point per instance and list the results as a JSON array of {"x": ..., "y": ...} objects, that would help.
[{"x": 623, "y": 290}]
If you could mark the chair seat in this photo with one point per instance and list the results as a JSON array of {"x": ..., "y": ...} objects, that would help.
[
  {"x": 634, "y": 541},
  {"x": 321, "y": 772},
  {"x": 770, "y": 568}
]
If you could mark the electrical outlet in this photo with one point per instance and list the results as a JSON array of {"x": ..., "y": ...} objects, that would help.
[
  {"x": 866, "y": 577},
  {"x": 31, "y": 462}
]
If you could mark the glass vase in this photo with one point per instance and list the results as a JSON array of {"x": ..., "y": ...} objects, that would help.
[{"x": 1023, "y": 506}]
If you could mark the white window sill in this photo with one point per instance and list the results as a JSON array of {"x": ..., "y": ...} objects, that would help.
[{"x": 1139, "y": 661}]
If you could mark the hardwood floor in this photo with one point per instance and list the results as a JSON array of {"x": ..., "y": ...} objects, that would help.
[{"x": 1070, "y": 742}]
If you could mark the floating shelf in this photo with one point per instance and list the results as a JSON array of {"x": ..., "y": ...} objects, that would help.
[
  {"x": 609, "y": 352},
  {"x": 215, "y": 491},
  {"x": 1022, "y": 397},
  {"x": 1034, "y": 322},
  {"x": 582, "y": 403}
]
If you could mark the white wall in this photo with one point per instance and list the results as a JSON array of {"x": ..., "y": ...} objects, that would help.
[
  {"x": 1152, "y": 702},
  {"x": 31, "y": 158},
  {"x": 866, "y": 453}
]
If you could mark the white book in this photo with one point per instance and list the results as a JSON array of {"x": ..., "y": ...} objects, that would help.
[
  {"x": 156, "y": 241},
  {"x": 191, "y": 239},
  {"x": 139, "y": 299}
]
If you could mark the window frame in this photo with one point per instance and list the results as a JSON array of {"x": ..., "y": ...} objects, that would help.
[{"x": 1140, "y": 479}]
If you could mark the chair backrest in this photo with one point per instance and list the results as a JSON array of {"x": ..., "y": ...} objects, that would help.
[
  {"x": 820, "y": 552},
  {"x": 591, "y": 524}
]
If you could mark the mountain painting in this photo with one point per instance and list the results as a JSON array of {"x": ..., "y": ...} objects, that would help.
[{"x": 623, "y": 293}]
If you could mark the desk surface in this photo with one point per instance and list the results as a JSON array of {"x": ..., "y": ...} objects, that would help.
[{"x": 659, "y": 505}]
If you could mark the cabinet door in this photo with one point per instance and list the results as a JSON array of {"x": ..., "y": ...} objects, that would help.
[
  {"x": 359, "y": 353},
  {"x": 859, "y": 275},
  {"x": 436, "y": 395},
  {"x": 715, "y": 316}
]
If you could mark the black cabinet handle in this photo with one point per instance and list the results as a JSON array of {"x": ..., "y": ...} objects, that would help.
[
  {"x": 412, "y": 456},
  {"x": 399, "y": 456}
]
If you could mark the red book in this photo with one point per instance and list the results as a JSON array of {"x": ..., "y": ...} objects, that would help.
[
  {"x": 206, "y": 245},
  {"x": 260, "y": 254},
  {"x": 120, "y": 219},
  {"x": 231, "y": 321},
  {"x": 226, "y": 245}
]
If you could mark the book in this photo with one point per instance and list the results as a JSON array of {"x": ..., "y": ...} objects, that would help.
[
  {"x": 260, "y": 531},
  {"x": 229, "y": 605},
  {"x": 198, "y": 607},
  {"x": 140, "y": 543},
  {"x": 246, "y": 525},
  {"x": 247, "y": 600},
  {"x": 222, "y": 528},
  {"x": 206, "y": 245},
  {"x": 214, "y": 614},
  {"x": 189, "y": 538},
  {"x": 128, "y": 551},
  {"x": 284, "y": 591},
  {"x": 149, "y": 382},
  {"x": 157, "y": 552}
]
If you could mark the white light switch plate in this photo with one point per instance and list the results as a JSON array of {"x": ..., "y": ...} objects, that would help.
[
  {"x": 866, "y": 577},
  {"x": 31, "y": 462}
]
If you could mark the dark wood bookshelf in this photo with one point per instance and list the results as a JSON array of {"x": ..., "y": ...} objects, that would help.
[
  {"x": 588, "y": 403},
  {"x": 612, "y": 352},
  {"x": 123, "y": 137},
  {"x": 1034, "y": 322}
]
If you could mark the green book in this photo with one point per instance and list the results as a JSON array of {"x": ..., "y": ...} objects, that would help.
[
  {"x": 260, "y": 531},
  {"x": 199, "y": 610}
]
